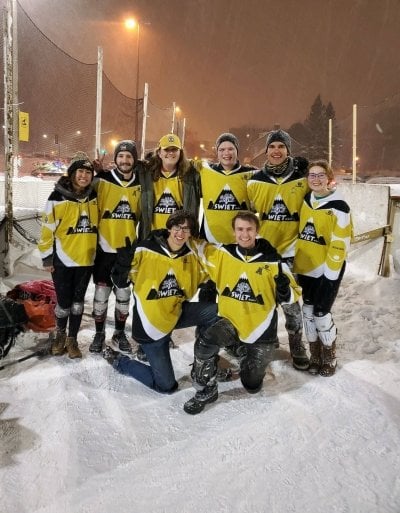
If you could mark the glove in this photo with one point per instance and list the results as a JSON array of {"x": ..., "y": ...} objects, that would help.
[
  {"x": 282, "y": 282},
  {"x": 301, "y": 164},
  {"x": 125, "y": 254},
  {"x": 123, "y": 262}
]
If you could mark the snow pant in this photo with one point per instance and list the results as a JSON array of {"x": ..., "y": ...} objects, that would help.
[
  {"x": 253, "y": 364},
  {"x": 70, "y": 284},
  {"x": 103, "y": 265},
  {"x": 159, "y": 374}
]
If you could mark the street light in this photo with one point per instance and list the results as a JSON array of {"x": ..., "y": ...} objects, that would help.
[{"x": 130, "y": 24}]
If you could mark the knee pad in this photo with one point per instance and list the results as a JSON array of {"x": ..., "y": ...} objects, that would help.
[
  {"x": 122, "y": 298},
  {"x": 326, "y": 329},
  {"x": 77, "y": 308},
  {"x": 60, "y": 312},
  {"x": 309, "y": 323},
  {"x": 100, "y": 301},
  {"x": 205, "y": 350},
  {"x": 253, "y": 366},
  {"x": 294, "y": 321},
  {"x": 222, "y": 334}
]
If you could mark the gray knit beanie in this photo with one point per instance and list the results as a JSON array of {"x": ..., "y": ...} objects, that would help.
[
  {"x": 280, "y": 136},
  {"x": 227, "y": 137}
]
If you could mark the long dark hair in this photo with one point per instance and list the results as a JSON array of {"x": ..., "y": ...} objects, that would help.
[{"x": 155, "y": 165}]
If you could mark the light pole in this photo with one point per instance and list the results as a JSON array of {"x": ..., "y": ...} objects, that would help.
[{"x": 130, "y": 24}]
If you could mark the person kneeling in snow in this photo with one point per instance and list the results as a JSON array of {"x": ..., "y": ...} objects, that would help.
[
  {"x": 251, "y": 279},
  {"x": 165, "y": 273}
]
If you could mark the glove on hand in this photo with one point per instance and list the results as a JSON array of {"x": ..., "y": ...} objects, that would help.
[
  {"x": 301, "y": 163},
  {"x": 282, "y": 285},
  {"x": 123, "y": 262},
  {"x": 125, "y": 254}
]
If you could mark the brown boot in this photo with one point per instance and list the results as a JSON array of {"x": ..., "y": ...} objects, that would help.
[
  {"x": 58, "y": 345},
  {"x": 315, "y": 357},
  {"x": 328, "y": 360},
  {"x": 298, "y": 352},
  {"x": 72, "y": 348}
]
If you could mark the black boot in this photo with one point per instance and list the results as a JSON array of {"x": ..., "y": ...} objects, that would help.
[
  {"x": 298, "y": 352},
  {"x": 196, "y": 404}
]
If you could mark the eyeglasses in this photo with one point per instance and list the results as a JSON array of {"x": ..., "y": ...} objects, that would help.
[
  {"x": 319, "y": 176},
  {"x": 178, "y": 228}
]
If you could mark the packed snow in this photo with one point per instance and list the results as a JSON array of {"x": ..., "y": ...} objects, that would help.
[{"x": 77, "y": 437}]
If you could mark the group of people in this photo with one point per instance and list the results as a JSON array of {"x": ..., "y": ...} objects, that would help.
[{"x": 267, "y": 237}]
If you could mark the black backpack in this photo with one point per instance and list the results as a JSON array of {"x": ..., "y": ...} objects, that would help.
[{"x": 12, "y": 320}]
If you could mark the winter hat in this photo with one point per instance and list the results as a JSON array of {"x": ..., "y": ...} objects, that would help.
[
  {"x": 227, "y": 137},
  {"x": 170, "y": 141},
  {"x": 280, "y": 136},
  {"x": 79, "y": 164},
  {"x": 126, "y": 145}
]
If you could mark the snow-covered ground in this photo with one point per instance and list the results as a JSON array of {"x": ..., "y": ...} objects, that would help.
[{"x": 77, "y": 437}]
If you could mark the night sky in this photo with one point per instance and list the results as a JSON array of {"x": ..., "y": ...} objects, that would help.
[{"x": 229, "y": 63}]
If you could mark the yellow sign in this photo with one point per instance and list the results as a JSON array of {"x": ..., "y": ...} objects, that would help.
[{"x": 24, "y": 126}]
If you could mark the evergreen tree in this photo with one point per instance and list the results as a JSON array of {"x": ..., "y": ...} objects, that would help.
[{"x": 317, "y": 125}]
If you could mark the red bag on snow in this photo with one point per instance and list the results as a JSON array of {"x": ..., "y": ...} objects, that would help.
[{"x": 39, "y": 300}]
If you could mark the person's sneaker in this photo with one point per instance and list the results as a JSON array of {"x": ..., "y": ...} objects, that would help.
[
  {"x": 197, "y": 403},
  {"x": 140, "y": 354},
  {"x": 119, "y": 340},
  {"x": 110, "y": 355},
  {"x": 98, "y": 340}
]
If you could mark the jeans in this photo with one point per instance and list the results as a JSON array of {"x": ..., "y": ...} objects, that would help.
[{"x": 159, "y": 373}]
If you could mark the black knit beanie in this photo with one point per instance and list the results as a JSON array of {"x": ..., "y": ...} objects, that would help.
[
  {"x": 79, "y": 164},
  {"x": 126, "y": 145}
]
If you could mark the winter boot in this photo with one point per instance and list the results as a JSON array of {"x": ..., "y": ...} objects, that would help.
[
  {"x": 315, "y": 357},
  {"x": 196, "y": 404},
  {"x": 140, "y": 354},
  {"x": 98, "y": 340},
  {"x": 58, "y": 345},
  {"x": 110, "y": 355},
  {"x": 298, "y": 352},
  {"x": 121, "y": 343},
  {"x": 328, "y": 360},
  {"x": 72, "y": 347}
]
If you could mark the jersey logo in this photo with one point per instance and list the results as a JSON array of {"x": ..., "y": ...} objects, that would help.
[
  {"x": 166, "y": 204},
  {"x": 226, "y": 201},
  {"x": 242, "y": 291},
  {"x": 168, "y": 287},
  {"x": 82, "y": 226},
  {"x": 121, "y": 211},
  {"x": 309, "y": 234},
  {"x": 279, "y": 212}
]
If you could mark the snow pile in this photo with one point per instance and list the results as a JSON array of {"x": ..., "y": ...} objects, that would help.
[{"x": 77, "y": 437}]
